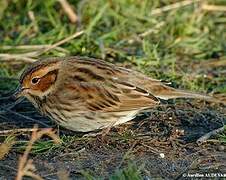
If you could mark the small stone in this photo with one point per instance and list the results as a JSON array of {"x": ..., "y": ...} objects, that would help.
[
  {"x": 162, "y": 155},
  {"x": 221, "y": 148}
]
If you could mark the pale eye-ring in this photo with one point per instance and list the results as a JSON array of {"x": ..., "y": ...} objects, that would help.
[{"x": 35, "y": 80}]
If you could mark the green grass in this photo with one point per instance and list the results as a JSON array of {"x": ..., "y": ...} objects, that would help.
[
  {"x": 222, "y": 137},
  {"x": 47, "y": 145},
  {"x": 39, "y": 147},
  {"x": 187, "y": 35},
  {"x": 132, "y": 172}
]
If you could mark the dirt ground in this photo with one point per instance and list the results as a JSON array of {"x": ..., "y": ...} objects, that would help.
[{"x": 162, "y": 143}]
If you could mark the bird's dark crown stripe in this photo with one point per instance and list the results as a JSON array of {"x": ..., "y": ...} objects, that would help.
[
  {"x": 36, "y": 66},
  {"x": 29, "y": 70}
]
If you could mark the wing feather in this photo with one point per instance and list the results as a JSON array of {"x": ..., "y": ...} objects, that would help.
[{"x": 120, "y": 97}]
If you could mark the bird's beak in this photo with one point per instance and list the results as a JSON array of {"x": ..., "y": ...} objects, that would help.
[{"x": 18, "y": 93}]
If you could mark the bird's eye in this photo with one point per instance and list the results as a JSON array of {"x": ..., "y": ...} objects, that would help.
[{"x": 35, "y": 80}]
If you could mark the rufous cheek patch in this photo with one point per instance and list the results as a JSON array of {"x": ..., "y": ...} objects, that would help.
[{"x": 46, "y": 82}]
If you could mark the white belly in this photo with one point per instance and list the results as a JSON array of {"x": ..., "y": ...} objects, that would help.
[{"x": 104, "y": 120}]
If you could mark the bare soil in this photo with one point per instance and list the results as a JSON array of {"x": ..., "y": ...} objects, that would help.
[{"x": 161, "y": 142}]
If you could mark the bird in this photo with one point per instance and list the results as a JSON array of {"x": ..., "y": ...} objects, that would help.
[{"x": 86, "y": 94}]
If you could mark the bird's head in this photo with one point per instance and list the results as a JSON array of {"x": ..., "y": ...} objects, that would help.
[{"x": 38, "y": 79}]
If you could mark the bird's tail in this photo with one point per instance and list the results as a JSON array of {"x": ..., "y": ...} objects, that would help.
[
  {"x": 174, "y": 93},
  {"x": 165, "y": 92}
]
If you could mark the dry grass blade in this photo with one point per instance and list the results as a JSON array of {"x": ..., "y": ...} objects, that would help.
[
  {"x": 63, "y": 175},
  {"x": 62, "y": 41},
  {"x": 208, "y": 7},
  {"x": 20, "y": 57},
  {"x": 31, "y": 47},
  {"x": 20, "y": 131},
  {"x": 6, "y": 146},
  {"x": 33, "y": 20},
  {"x": 26, "y": 166},
  {"x": 214, "y": 63},
  {"x": 31, "y": 56},
  {"x": 173, "y": 6},
  {"x": 149, "y": 31},
  {"x": 69, "y": 11},
  {"x": 209, "y": 134}
]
